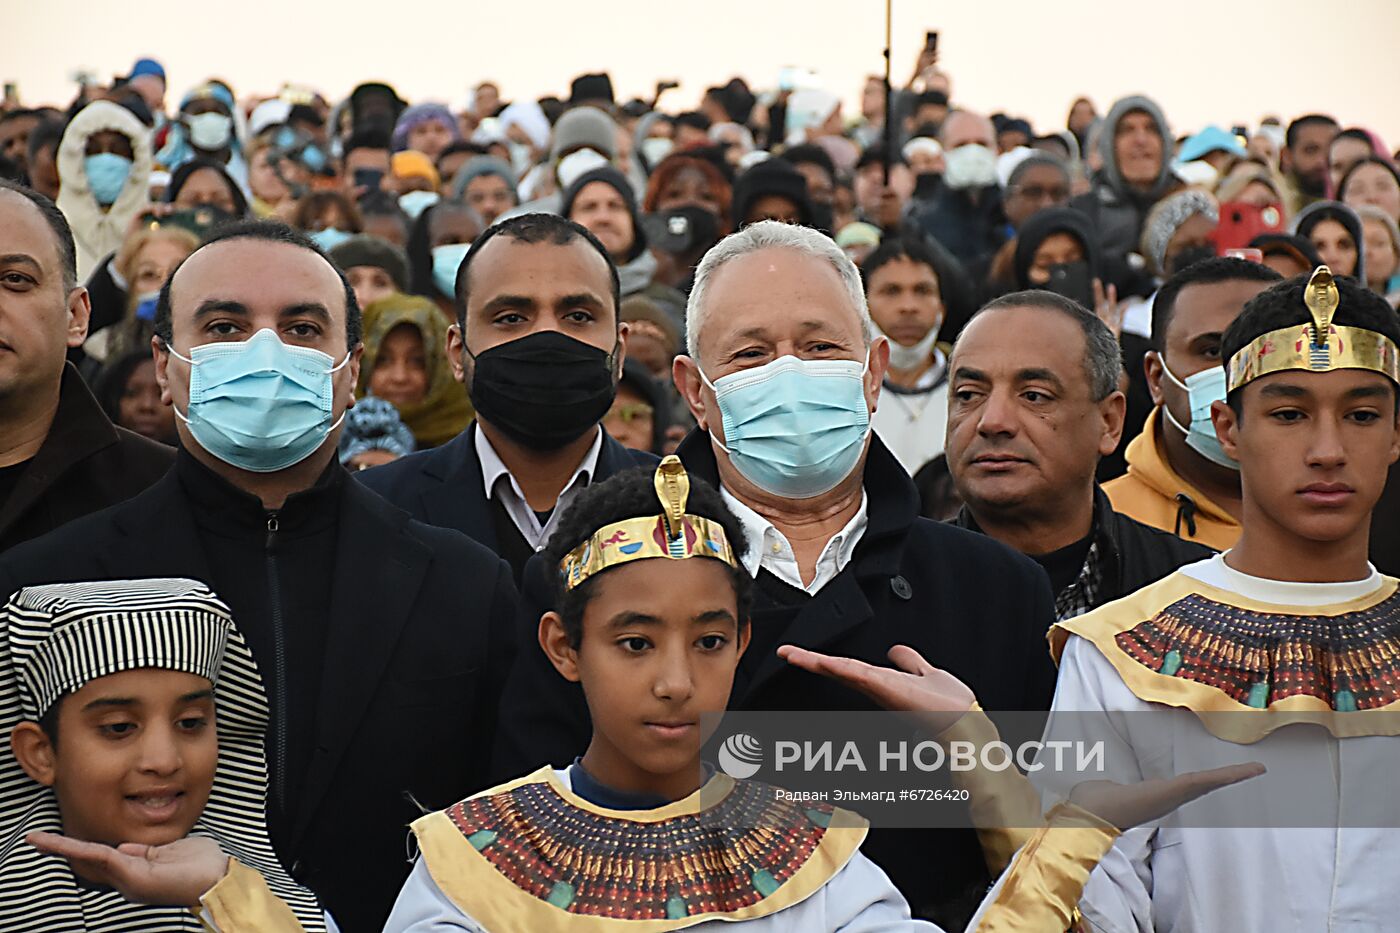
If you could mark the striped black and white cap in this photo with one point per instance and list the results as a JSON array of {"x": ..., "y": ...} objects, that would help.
[{"x": 56, "y": 638}]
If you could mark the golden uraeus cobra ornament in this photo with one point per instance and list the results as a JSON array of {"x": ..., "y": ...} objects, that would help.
[
  {"x": 1317, "y": 346},
  {"x": 673, "y": 534}
]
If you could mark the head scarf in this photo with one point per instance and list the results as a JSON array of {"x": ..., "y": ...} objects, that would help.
[
  {"x": 444, "y": 411},
  {"x": 56, "y": 638},
  {"x": 1315, "y": 213},
  {"x": 1043, "y": 224},
  {"x": 419, "y": 114},
  {"x": 374, "y": 424},
  {"x": 1167, "y": 217},
  {"x": 96, "y": 232}
]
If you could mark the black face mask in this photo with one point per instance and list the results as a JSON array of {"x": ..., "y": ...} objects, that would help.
[
  {"x": 544, "y": 390},
  {"x": 1189, "y": 256},
  {"x": 926, "y": 185}
]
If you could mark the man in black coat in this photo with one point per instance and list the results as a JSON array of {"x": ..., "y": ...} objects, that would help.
[
  {"x": 842, "y": 562},
  {"x": 539, "y": 345},
  {"x": 1033, "y": 403},
  {"x": 60, "y": 456},
  {"x": 382, "y": 642}
]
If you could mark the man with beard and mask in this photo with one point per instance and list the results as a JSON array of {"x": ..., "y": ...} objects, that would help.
[
  {"x": 783, "y": 372},
  {"x": 1178, "y": 478},
  {"x": 904, "y": 289},
  {"x": 601, "y": 201},
  {"x": 1303, "y": 160},
  {"x": 204, "y": 129},
  {"x": 539, "y": 346},
  {"x": 1034, "y": 405},
  {"x": 966, "y": 213},
  {"x": 382, "y": 668},
  {"x": 1133, "y": 146}
]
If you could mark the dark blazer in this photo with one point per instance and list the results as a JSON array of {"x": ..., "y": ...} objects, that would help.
[
  {"x": 1132, "y": 554},
  {"x": 419, "y": 640},
  {"x": 965, "y": 602},
  {"x": 86, "y": 463},
  {"x": 443, "y": 486}
]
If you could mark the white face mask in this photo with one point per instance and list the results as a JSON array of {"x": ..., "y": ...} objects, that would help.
[
  {"x": 656, "y": 148},
  {"x": 905, "y": 358},
  {"x": 970, "y": 166},
  {"x": 210, "y": 131},
  {"x": 576, "y": 164}
]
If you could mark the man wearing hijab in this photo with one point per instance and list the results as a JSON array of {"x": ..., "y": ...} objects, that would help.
[
  {"x": 382, "y": 668},
  {"x": 60, "y": 455}
]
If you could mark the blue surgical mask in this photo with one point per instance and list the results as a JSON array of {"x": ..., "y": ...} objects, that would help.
[
  {"x": 146, "y": 306},
  {"x": 794, "y": 428},
  {"x": 260, "y": 405},
  {"x": 446, "y": 260},
  {"x": 329, "y": 238},
  {"x": 106, "y": 173},
  {"x": 1201, "y": 389},
  {"x": 416, "y": 202}
]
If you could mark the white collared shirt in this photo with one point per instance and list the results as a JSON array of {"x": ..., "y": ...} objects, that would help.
[
  {"x": 769, "y": 548},
  {"x": 511, "y": 496}
]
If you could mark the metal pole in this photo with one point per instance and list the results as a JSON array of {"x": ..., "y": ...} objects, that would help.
[{"x": 889, "y": 91}]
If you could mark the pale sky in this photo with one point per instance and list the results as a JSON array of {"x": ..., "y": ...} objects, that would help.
[{"x": 1203, "y": 60}]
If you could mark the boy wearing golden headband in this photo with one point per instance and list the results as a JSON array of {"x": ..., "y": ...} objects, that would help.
[
  {"x": 1246, "y": 654},
  {"x": 638, "y": 834}
]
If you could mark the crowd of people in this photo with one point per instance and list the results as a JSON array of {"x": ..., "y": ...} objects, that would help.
[{"x": 367, "y": 465}]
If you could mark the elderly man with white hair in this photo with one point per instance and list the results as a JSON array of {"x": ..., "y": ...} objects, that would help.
[{"x": 782, "y": 375}]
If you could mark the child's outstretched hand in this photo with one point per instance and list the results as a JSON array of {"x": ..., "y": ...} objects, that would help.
[
  {"x": 174, "y": 875},
  {"x": 913, "y": 685},
  {"x": 1129, "y": 805}
]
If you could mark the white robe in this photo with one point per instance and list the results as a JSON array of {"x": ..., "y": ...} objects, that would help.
[{"x": 1175, "y": 879}]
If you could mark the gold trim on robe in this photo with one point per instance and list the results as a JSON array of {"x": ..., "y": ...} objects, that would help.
[
  {"x": 242, "y": 903},
  {"x": 1184, "y": 643},
  {"x": 532, "y": 855}
]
